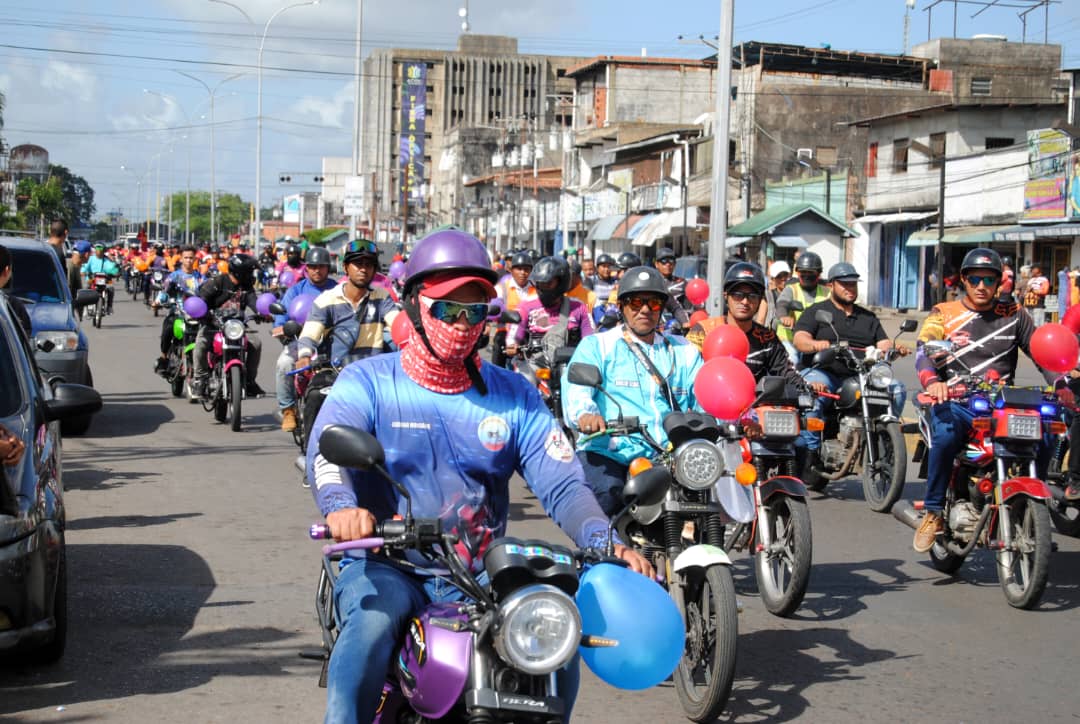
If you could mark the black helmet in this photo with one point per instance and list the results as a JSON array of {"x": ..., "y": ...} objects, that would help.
[
  {"x": 547, "y": 269},
  {"x": 243, "y": 268},
  {"x": 318, "y": 255},
  {"x": 521, "y": 258},
  {"x": 292, "y": 250},
  {"x": 808, "y": 261},
  {"x": 605, "y": 259},
  {"x": 533, "y": 254},
  {"x": 628, "y": 260},
  {"x": 744, "y": 273},
  {"x": 642, "y": 280},
  {"x": 358, "y": 249},
  {"x": 1006, "y": 261},
  {"x": 981, "y": 259},
  {"x": 842, "y": 272}
]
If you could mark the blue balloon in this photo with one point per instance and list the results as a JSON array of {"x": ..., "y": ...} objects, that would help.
[{"x": 617, "y": 603}]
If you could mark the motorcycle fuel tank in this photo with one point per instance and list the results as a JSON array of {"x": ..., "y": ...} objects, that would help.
[
  {"x": 433, "y": 664},
  {"x": 219, "y": 340}
]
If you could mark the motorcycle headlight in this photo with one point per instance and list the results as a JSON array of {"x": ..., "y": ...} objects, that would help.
[
  {"x": 881, "y": 376},
  {"x": 233, "y": 330},
  {"x": 1024, "y": 427},
  {"x": 61, "y": 341},
  {"x": 698, "y": 464},
  {"x": 540, "y": 629},
  {"x": 780, "y": 423}
]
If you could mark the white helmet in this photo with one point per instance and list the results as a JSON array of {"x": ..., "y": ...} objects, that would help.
[{"x": 777, "y": 268}]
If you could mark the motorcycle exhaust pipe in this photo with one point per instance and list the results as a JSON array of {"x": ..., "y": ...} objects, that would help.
[{"x": 905, "y": 512}]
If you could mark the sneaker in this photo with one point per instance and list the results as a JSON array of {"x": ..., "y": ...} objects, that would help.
[
  {"x": 288, "y": 419},
  {"x": 253, "y": 391},
  {"x": 1072, "y": 490},
  {"x": 200, "y": 388},
  {"x": 931, "y": 526},
  {"x": 160, "y": 365}
]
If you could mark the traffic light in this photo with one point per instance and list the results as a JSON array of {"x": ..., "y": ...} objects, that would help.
[
  {"x": 284, "y": 179},
  {"x": 319, "y": 179}
]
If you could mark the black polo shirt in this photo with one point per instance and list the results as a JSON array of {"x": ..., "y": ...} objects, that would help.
[{"x": 861, "y": 328}]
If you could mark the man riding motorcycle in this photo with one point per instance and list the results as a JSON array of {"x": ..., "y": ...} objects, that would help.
[
  {"x": 808, "y": 269},
  {"x": 648, "y": 373},
  {"x": 665, "y": 264},
  {"x": 552, "y": 311},
  {"x": 454, "y": 430},
  {"x": 292, "y": 262},
  {"x": 513, "y": 289},
  {"x": 185, "y": 280},
  {"x": 988, "y": 331},
  {"x": 606, "y": 279},
  {"x": 99, "y": 264},
  {"x": 233, "y": 290},
  {"x": 317, "y": 281}
]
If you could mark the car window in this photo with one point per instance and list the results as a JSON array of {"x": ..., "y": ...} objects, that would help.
[
  {"x": 35, "y": 276},
  {"x": 11, "y": 391}
]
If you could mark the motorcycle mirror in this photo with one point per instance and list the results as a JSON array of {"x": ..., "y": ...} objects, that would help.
[
  {"x": 938, "y": 351},
  {"x": 770, "y": 387},
  {"x": 647, "y": 487},
  {"x": 823, "y": 316},
  {"x": 909, "y": 325},
  {"x": 795, "y": 306},
  {"x": 85, "y": 298},
  {"x": 825, "y": 357},
  {"x": 290, "y": 328},
  {"x": 278, "y": 308},
  {"x": 350, "y": 447},
  {"x": 588, "y": 375},
  {"x": 510, "y": 317}
]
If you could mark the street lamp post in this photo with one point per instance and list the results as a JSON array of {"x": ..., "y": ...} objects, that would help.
[
  {"x": 257, "y": 227},
  {"x": 138, "y": 189}
]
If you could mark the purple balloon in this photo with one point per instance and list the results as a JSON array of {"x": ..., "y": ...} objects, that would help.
[
  {"x": 397, "y": 270},
  {"x": 262, "y": 304},
  {"x": 497, "y": 302},
  {"x": 299, "y": 308},
  {"x": 286, "y": 278},
  {"x": 195, "y": 307}
]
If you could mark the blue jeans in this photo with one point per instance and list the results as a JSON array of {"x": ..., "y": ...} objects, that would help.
[
  {"x": 606, "y": 478},
  {"x": 812, "y": 440},
  {"x": 950, "y": 425},
  {"x": 286, "y": 388},
  {"x": 373, "y": 601}
]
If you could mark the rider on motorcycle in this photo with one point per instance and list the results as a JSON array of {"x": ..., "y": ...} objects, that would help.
[
  {"x": 606, "y": 278},
  {"x": 98, "y": 264},
  {"x": 808, "y": 269},
  {"x": 317, "y": 281},
  {"x": 988, "y": 332},
  {"x": 648, "y": 373},
  {"x": 665, "y": 264},
  {"x": 578, "y": 290},
  {"x": 233, "y": 290},
  {"x": 513, "y": 289},
  {"x": 552, "y": 311},
  {"x": 292, "y": 262},
  {"x": 454, "y": 430},
  {"x": 186, "y": 281}
]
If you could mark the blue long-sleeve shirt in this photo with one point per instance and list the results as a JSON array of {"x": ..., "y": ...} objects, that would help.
[
  {"x": 454, "y": 453},
  {"x": 305, "y": 286}
]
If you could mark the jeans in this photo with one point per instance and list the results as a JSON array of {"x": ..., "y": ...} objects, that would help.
[
  {"x": 167, "y": 333},
  {"x": 373, "y": 601},
  {"x": 286, "y": 389},
  {"x": 812, "y": 440},
  {"x": 205, "y": 339},
  {"x": 606, "y": 478},
  {"x": 950, "y": 425}
]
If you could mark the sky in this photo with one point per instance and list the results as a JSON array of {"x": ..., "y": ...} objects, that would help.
[{"x": 100, "y": 85}]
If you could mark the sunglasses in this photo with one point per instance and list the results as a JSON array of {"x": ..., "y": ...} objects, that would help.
[
  {"x": 360, "y": 245},
  {"x": 447, "y": 311},
  {"x": 667, "y": 260},
  {"x": 636, "y": 303},
  {"x": 740, "y": 296},
  {"x": 988, "y": 280}
]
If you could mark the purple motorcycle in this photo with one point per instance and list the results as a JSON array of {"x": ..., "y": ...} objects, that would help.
[{"x": 493, "y": 658}]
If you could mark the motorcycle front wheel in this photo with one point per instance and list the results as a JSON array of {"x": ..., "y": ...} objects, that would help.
[
  {"x": 176, "y": 364},
  {"x": 99, "y": 312},
  {"x": 783, "y": 570},
  {"x": 706, "y": 672},
  {"x": 1023, "y": 570},
  {"x": 883, "y": 482},
  {"x": 236, "y": 394}
]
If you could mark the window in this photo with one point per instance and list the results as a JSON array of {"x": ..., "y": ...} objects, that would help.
[
  {"x": 10, "y": 389},
  {"x": 871, "y": 160},
  {"x": 899, "y": 155},
  {"x": 35, "y": 277},
  {"x": 998, "y": 142},
  {"x": 937, "y": 150},
  {"x": 560, "y": 73},
  {"x": 981, "y": 86}
]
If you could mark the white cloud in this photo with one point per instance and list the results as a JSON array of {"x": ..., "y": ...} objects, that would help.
[
  {"x": 334, "y": 111},
  {"x": 69, "y": 81}
]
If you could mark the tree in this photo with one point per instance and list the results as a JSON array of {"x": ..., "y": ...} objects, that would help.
[
  {"x": 46, "y": 202},
  {"x": 78, "y": 196},
  {"x": 232, "y": 212}
]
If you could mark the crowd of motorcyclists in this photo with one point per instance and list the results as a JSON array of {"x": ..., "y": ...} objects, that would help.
[{"x": 396, "y": 352}]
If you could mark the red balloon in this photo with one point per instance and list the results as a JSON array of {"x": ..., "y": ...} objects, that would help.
[
  {"x": 699, "y": 316},
  {"x": 724, "y": 387},
  {"x": 697, "y": 291},
  {"x": 1054, "y": 347},
  {"x": 1072, "y": 319},
  {"x": 399, "y": 330},
  {"x": 727, "y": 340}
]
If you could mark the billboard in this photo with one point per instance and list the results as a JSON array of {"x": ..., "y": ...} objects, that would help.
[
  {"x": 411, "y": 148},
  {"x": 1044, "y": 192},
  {"x": 290, "y": 209},
  {"x": 1072, "y": 209}
]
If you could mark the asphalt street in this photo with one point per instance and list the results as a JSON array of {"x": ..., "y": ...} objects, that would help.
[{"x": 192, "y": 585}]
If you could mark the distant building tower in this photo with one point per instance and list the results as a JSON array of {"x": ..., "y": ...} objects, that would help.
[{"x": 28, "y": 161}]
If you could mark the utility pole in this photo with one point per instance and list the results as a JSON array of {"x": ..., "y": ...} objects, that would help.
[
  {"x": 358, "y": 108},
  {"x": 718, "y": 220},
  {"x": 941, "y": 236}
]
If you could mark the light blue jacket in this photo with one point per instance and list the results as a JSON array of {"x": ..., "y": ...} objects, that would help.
[{"x": 633, "y": 387}]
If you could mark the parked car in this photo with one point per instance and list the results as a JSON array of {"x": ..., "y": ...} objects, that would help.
[
  {"x": 33, "y": 562},
  {"x": 62, "y": 350}
]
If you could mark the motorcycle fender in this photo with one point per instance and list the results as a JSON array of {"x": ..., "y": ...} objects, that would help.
[
  {"x": 1031, "y": 487},
  {"x": 782, "y": 485},
  {"x": 188, "y": 349},
  {"x": 701, "y": 556},
  {"x": 233, "y": 363},
  {"x": 886, "y": 419}
]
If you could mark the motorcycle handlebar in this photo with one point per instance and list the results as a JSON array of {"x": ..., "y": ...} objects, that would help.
[{"x": 391, "y": 532}]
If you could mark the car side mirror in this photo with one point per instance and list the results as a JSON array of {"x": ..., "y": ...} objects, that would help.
[
  {"x": 72, "y": 401},
  {"x": 587, "y": 375},
  {"x": 278, "y": 308},
  {"x": 85, "y": 298},
  {"x": 351, "y": 447},
  {"x": 823, "y": 316},
  {"x": 647, "y": 487},
  {"x": 909, "y": 325}
]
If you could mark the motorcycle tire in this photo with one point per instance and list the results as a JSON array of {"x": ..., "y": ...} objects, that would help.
[
  {"x": 99, "y": 312},
  {"x": 176, "y": 364},
  {"x": 236, "y": 396},
  {"x": 783, "y": 575},
  {"x": 884, "y": 486},
  {"x": 942, "y": 560},
  {"x": 1023, "y": 573},
  {"x": 1066, "y": 517},
  {"x": 706, "y": 671},
  {"x": 219, "y": 404}
]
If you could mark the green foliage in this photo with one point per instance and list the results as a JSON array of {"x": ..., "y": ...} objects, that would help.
[
  {"x": 78, "y": 196},
  {"x": 318, "y": 236},
  {"x": 232, "y": 213},
  {"x": 47, "y": 202},
  {"x": 103, "y": 231}
]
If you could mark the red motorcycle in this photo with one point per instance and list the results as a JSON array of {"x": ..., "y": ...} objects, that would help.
[{"x": 995, "y": 498}]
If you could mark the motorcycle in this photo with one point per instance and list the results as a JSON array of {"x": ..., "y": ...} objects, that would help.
[
  {"x": 707, "y": 488},
  {"x": 863, "y": 433},
  {"x": 491, "y": 658},
  {"x": 532, "y": 363},
  {"x": 180, "y": 370},
  {"x": 995, "y": 498},
  {"x": 100, "y": 285},
  {"x": 134, "y": 281},
  {"x": 227, "y": 362},
  {"x": 780, "y": 536},
  {"x": 155, "y": 286},
  {"x": 1064, "y": 514}
]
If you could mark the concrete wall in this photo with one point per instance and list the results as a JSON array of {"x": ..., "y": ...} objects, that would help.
[
  {"x": 1026, "y": 72},
  {"x": 661, "y": 95},
  {"x": 986, "y": 188}
]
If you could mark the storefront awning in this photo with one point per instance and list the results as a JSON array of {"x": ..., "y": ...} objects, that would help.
[
  {"x": 1043, "y": 231},
  {"x": 663, "y": 224},
  {"x": 897, "y": 218},
  {"x": 973, "y": 235},
  {"x": 604, "y": 228},
  {"x": 790, "y": 242}
]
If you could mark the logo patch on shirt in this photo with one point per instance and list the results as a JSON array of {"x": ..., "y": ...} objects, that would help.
[
  {"x": 558, "y": 447},
  {"x": 493, "y": 433}
]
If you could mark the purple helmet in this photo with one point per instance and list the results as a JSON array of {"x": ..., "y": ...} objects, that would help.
[{"x": 448, "y": 250}]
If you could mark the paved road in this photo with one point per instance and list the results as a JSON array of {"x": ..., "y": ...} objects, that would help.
[{"x": 192, "y": 586}]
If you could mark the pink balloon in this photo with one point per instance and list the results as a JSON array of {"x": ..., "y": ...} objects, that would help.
[
  {"x": 724, "y": 387},
  {"x": 727, "y": 340},
  {"x": 1054, "y": 347},
  {"x": 697, "y": 291}
]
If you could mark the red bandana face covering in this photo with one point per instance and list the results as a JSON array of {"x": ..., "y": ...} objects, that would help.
[{"x": 445, "y": 371}]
